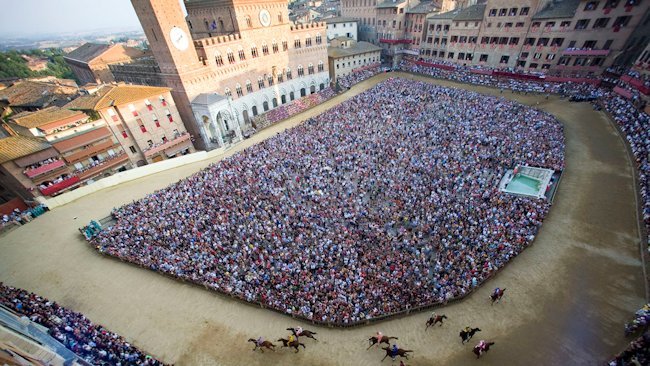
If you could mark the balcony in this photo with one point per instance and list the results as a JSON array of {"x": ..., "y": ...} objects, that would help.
[
  {"x": 169, "y": 144},
  {"x": 395, "y": 41},
  {"x": 86, "y": 153},
  {"x": 31, "y": 173},
  {"x": 584, "y": 52},
  {"x": 106, "y": 164},
  {"x": 48, "y": 191}
]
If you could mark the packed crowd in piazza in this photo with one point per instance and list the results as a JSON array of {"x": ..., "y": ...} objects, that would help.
[
  {"x": 385, "y": 202},
  {"x": 92, "y": 342}
]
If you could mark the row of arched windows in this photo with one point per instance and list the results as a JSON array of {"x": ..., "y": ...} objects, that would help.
[
  {"x": 270, "y": 79},
  {"x": 241, "y": 53}
]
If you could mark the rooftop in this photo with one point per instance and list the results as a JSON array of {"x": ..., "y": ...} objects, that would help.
[
  {"x": 28, "y": 93},
  {"x": 123, "y": 94},
  {"x": 207, "y": 98},
  {"x": 360, "y": 47},
  {"x": 558, "y": 9},
  {"x": 88, "y": 102},
  {"x": 446, "y": 15},
  {"x": 88, "y": 51},
  {"x": 339, "y": 20},
  {"x": 424, "y": 7},
  {"x": 474, "y": 12},
  {"x": 45, "y": 116},
  {"x": 15, "y": 147},
  {"x": 390, "y": 3}
]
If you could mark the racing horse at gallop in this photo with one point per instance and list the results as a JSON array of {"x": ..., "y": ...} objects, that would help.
[
  {"x": 481, "y": 348},
  {"x": 435, "y": 319},
  {"x": 497, "y": 295},
  {"x": 375, "y": 340}
]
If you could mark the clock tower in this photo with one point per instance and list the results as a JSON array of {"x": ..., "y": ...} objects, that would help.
[{"x": 170, "y": 41}]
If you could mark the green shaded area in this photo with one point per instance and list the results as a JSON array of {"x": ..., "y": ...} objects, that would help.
[
  {"x": 13, "y": 65},
  {"x": 524, "y": 185}
]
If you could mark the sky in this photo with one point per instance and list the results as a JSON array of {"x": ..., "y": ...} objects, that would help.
[{"x": 43, "y": 17}]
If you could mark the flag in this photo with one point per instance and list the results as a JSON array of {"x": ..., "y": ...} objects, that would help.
[{"x": 213, "y": 26}]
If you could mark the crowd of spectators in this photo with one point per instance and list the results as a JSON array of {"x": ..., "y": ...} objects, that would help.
[
  {"x": 293, "y": 107},
  {"x": 92, "y": 342},
  {"x": 638, "y": 351},
  {"x": 387, "y": 201},
  {"x": 356, "y": 77}
]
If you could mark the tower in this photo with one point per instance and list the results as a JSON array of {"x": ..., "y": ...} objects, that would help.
[{"x": 170, "y": 41}]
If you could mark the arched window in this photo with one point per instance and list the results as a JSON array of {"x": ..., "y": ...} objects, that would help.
[
  {"x": 308, "y": 41},
  {"x": 265, "y": 49},
  {"x": 249, "y": 86},
  {"x": 218, "y": 59},
  {"x": 319, "y": 40},
  {"x": 254, "y": 51},
  {"x": 260, "y": 82},
  {"x": 301, "y": 71},
  {"x": 321, "y": 66},
  {"x": 231, "y": 57},
  {"x": 221, "y": 26},
  {"x": 249, "y": 23},
  {"x": 296, "y": 43},
  {"x": 279, "y": 17},
  {"x": 269, "y": 78},
  {"x": 240, "y": 93},
  {"x": 227, "y": 92},
  {"x": 242, "y": 54},
  {"x": 280, "y": 77},
  {"x": 289, "y": 76},
  {"x": 285, "y": 46},
  {"x": 310, "y": 69},
  {"x": 275, "y": 47}
]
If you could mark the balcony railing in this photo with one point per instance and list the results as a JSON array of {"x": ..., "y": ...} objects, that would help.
[
  {"x": 106, "y": 164},
  {"x": 93, "y": 150},
  {"x": 584, "y": 52},
  {"x": 395, "y": 41},
  {"x": 170, "y": 143},
  {"x": 48, "y": 191},
  {"x": 31, "y": 173}
]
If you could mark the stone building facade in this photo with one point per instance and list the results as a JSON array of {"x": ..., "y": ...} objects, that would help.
[{"x": 246, "y": 51}]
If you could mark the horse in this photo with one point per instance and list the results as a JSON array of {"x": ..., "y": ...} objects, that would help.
[
  {"x": 496, "y": 296},
  {"x": 295, "y": 344},
  {"x": 384, "y": 339},
  {"x": 435, "y": 319},
  {"x": 304, "y": 333},
  {"x": 400, "y": 352},
  {"x": 265, "y": 344},
  {"x": 466, "y": 336},
  {"x": 478, "y": 350}
]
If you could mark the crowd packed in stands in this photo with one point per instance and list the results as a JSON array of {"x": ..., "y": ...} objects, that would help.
[
  {"x": 40, "y": 164},
  {"x": 92, "y": 342},
  {"x": 385, "y": 202},
  {"x": 19, "y": 217},
  {"x": 641, "y": 320},
  {"x": 287, "y": 110},
  {"x": 349, "y": 80},
  {"x": 638, "y": 351}
]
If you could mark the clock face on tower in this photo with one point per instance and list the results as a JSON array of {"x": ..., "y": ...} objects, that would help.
[
  {"x": 265, "y": 17},
  {"x": 179, "y": 38}
]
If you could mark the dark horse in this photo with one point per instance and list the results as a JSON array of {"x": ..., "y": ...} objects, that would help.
[
  {"x": 305, "y": 333},
  {"x": 384, "y": 339},
  {"x": 466, "y": 336},
  {"x": 400, "y": 352},
  {"x": 295, "y": 344},
  {"x": 265, "y": 344},
  {"x": 435, "y": 319},
  {"x": 497, "y": 295},
  {"x": 478, "y": 350}
]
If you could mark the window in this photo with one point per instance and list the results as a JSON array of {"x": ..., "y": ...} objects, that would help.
[
  {"x": 572, "y": 44},
  {"x": 582, "y": 24},
  {"x": 265, "y": 49},
  {"x": 542, "y": 42},
  {"x": 289, "y": 76},
  {"x": 133, "y": 111},
  {"x": 279, "y": 17},
  {"x": 142, "y": 127},
  {"x": 218, "y": 59},
  {"x": 503, "y": 12},
  {"x": 321, "y": 66},
  {"x": 148, "y": 104},
  {"x": 622, "y": 21},
  {"x": 611, "y": 4},
  {"x": 242, "y": 54},
  {"x": 280, "y": 77},
  {"x": 550, "y": 56},
  {"x": 122, "y": 130},
  {"x": 514, "y": 40},
  {"x": 493, "y": 12},
  {"x": 524, "y": 55},
  {"x": 249, "y": 23},
  {"x": 310, "y": 69},
  {"x": 483, "y": 58},
  {"x": 275, "y": 47},
  {"x": 533, "y": 65},
  {"x": 601, "y": 23},
  {"x": 512, "y": 12},
  {"x": 564, "y": 60},
  {"x": 308, "y": 42},
  {"x": 546, "y": 66},
  {"x": 508, "y": 25},
  {"x": 260, "y": 83},
  {"x": 319, "y": 39},
  {"x": 231, "y": 57},
  {"x": 557, "y": 42},
  {"x": 608, "y": 44},
  {"x": 249, "y": 86},
  {"x": 133, "y": 150},
  {"x": 227, "y": 92},
  {"x": 504, "y": 59},
  {"x": 589, "y": 44},
  {"x": 524, "y": 10},
  {"x": 111, "y": 113},
  {"x": 285, "y": 46},
  {"x": 169, "y": 115},
  {"x": 150, "y": 143},
  {"x": 269, "y": 78},
  {"x": 549, "y": 25},
  {"x": 537, "y": 56},
  {"x": 591, "y": 5},
  {"x": 296, "y": 43},
  {"x": 529, "y": 42},
  {"x": 301, "y": 71},
  {"x": 450, "y": 55},
  {"x": 519, "y": 25},
  {"x": 155, "y": 120},
  {"x": 565, "y": 24},
  {"x": 238, "y": 90},
  {"x": 254, "y": 51}
]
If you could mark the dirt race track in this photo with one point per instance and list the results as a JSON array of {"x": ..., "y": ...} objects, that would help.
[{"x": 567, "y": 300}]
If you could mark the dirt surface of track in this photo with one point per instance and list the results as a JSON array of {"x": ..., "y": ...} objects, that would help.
[{"x": 567, "y": 300}]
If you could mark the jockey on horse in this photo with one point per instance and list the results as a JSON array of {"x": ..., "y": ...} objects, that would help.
[
  {"x": 259, "y": 341},
  {"x": 394, "y": 351},
  {"x": 497, "y": 292},
  {"x": 482, "y": 344}
]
